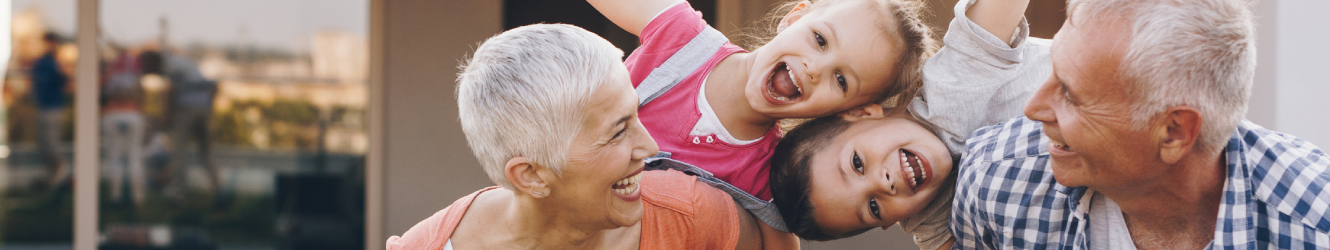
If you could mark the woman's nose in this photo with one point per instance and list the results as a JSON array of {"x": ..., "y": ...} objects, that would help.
[{"x": 645, "y": 146}]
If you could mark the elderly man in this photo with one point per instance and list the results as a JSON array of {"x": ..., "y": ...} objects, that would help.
[{"x": 1140, "y": 143}]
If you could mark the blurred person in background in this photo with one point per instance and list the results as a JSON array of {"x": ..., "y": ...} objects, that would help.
[
  {"x": 188, "y": 113},
  {"x": 123, "y": 126},
  {"x": 50, "y": 89}
]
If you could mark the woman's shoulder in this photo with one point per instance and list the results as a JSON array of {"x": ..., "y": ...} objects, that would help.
[
  {"x": 433, "y": 232},
  {"x": 671, "y": 189},
  {"x": 681, "y": 212}
]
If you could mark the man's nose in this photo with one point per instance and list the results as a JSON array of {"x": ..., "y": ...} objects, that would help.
[{"x": 1039, "y": 107}]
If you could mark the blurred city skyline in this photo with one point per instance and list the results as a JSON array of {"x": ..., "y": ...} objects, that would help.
[{"x": 267, "y": 24}]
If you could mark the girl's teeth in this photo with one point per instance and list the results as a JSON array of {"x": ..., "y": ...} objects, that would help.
[{"x": 797, "y": 88}]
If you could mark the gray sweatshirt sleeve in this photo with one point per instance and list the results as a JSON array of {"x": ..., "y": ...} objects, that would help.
[{"x": 976, "y": 80}]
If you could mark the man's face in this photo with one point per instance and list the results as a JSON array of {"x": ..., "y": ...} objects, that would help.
[{"x": 1085, "y": 108}]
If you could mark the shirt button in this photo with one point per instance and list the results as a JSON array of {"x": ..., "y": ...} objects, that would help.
[
  {"x": 710, "y": 139},
  {"x": 696, "y": 141}
]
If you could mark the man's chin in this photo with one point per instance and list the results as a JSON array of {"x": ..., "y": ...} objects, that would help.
[{"x": 1067, "y": 174}]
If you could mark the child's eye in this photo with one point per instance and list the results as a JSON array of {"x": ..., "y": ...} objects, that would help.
[
  {"x": 872, "y": 208},
  {"x": 840, "y": 79},
  {"x": 858, "y": 164},
  {"x": 821, "y": 42}
]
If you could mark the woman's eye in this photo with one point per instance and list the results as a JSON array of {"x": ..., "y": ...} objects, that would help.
[
  {"x": 872, "y": 208},
  {"x": 840, "y": 79},
  {"x": 619, "y": 134},
  {"x": 821, "y": 42},
  {"x": 858, "y": 164}
]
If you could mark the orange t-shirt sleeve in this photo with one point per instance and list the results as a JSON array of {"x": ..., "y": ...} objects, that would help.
[
  {"x": 680, "y": 212},
  {"x": 433, "y": 232}
]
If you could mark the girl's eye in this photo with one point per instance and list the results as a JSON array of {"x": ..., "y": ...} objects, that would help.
[
  {"x": 858, "y": 164},
  {"x": 821, "y": 42},
  {"x": 840, "y": 79},
  {"x": 872, "y": 208}
]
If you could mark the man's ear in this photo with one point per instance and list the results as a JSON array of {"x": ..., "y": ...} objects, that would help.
[
  {"x": 1181, "y": 128},
  {"x": 866, "y": 111},
  {"x": 525, "y": 176},
  {"x": 797, "y": 12}
]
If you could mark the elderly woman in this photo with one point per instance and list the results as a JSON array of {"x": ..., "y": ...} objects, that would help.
[{"x": 549, "y": 111}]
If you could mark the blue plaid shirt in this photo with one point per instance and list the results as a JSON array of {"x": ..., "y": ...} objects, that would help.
[{"x": 1006, "y": 197}]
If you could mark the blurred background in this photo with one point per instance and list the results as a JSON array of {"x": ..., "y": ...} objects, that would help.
[
  {"x": 331, "y": 124},
  {"x": 222, "y": 124}
]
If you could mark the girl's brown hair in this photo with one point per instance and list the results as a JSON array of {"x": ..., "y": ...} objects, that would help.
[{"x": 909, "y": 26}]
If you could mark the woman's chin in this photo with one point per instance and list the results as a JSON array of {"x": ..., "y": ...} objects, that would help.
[{"x": 625, "y": 216}]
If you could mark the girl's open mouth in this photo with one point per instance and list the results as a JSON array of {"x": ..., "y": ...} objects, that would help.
[{"x": 781, "y": 87}]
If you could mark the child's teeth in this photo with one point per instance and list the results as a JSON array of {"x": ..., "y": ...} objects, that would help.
[{"x": 796, "y": 84}]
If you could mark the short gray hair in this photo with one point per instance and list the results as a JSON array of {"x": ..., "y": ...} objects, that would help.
[
  {"x": 1184, "y": 52},
  {"x": 523, "y": 91}
]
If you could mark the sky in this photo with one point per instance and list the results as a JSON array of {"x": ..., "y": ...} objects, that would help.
[{"x": 266, "y": 23}]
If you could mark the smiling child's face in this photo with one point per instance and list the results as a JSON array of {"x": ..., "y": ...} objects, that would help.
[
  {"x": 875, "y": 173},
  {"x": 825, "y": 61}
]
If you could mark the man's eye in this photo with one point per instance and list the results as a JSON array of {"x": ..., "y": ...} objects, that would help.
[
  {"x": 821, "y": 42},
  {"x": 840, "y": 79},
  {"x": 858, "y": 164},
  {"x": 872, "y": 208}
]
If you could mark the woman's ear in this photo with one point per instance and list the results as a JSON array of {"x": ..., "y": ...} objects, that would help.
[
  {"x": 797, "y": 12},
  {"x": 866, "y": 111},
  {"x": 525, "y": 177}
]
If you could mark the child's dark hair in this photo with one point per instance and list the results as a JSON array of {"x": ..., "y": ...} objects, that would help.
[
  {"x": 790, "y": 185},
  {"x": 916, "y": 36}
]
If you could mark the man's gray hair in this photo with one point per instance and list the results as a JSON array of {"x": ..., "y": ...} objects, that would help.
[
  {"x": 523, "y": 91},
  {"x": 1200, "y": 53}
]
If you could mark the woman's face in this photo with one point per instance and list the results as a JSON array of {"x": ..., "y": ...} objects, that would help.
[
  {"x": 826, "y": 60},
  {"x": 605, "y": 162},
  {"x": 875, "y": 173}
]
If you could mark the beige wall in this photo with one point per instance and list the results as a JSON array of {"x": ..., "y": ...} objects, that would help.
[{"x": 426, "y": 162}]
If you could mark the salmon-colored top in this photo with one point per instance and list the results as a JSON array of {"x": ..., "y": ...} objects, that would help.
[
  {"x": 433, "y": 232},
  {"x": 678, "y": 213}
]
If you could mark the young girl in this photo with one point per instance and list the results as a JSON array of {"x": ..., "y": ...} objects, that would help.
[{"x": 715, "y": 105}]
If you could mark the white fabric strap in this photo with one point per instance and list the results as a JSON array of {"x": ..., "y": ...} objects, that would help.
[{"x": 680, "y": 65}]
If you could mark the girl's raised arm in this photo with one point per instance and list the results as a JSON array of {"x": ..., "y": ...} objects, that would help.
[
  {"x": 999, "y": 17},
  {"x": 633, "y": 15}
]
